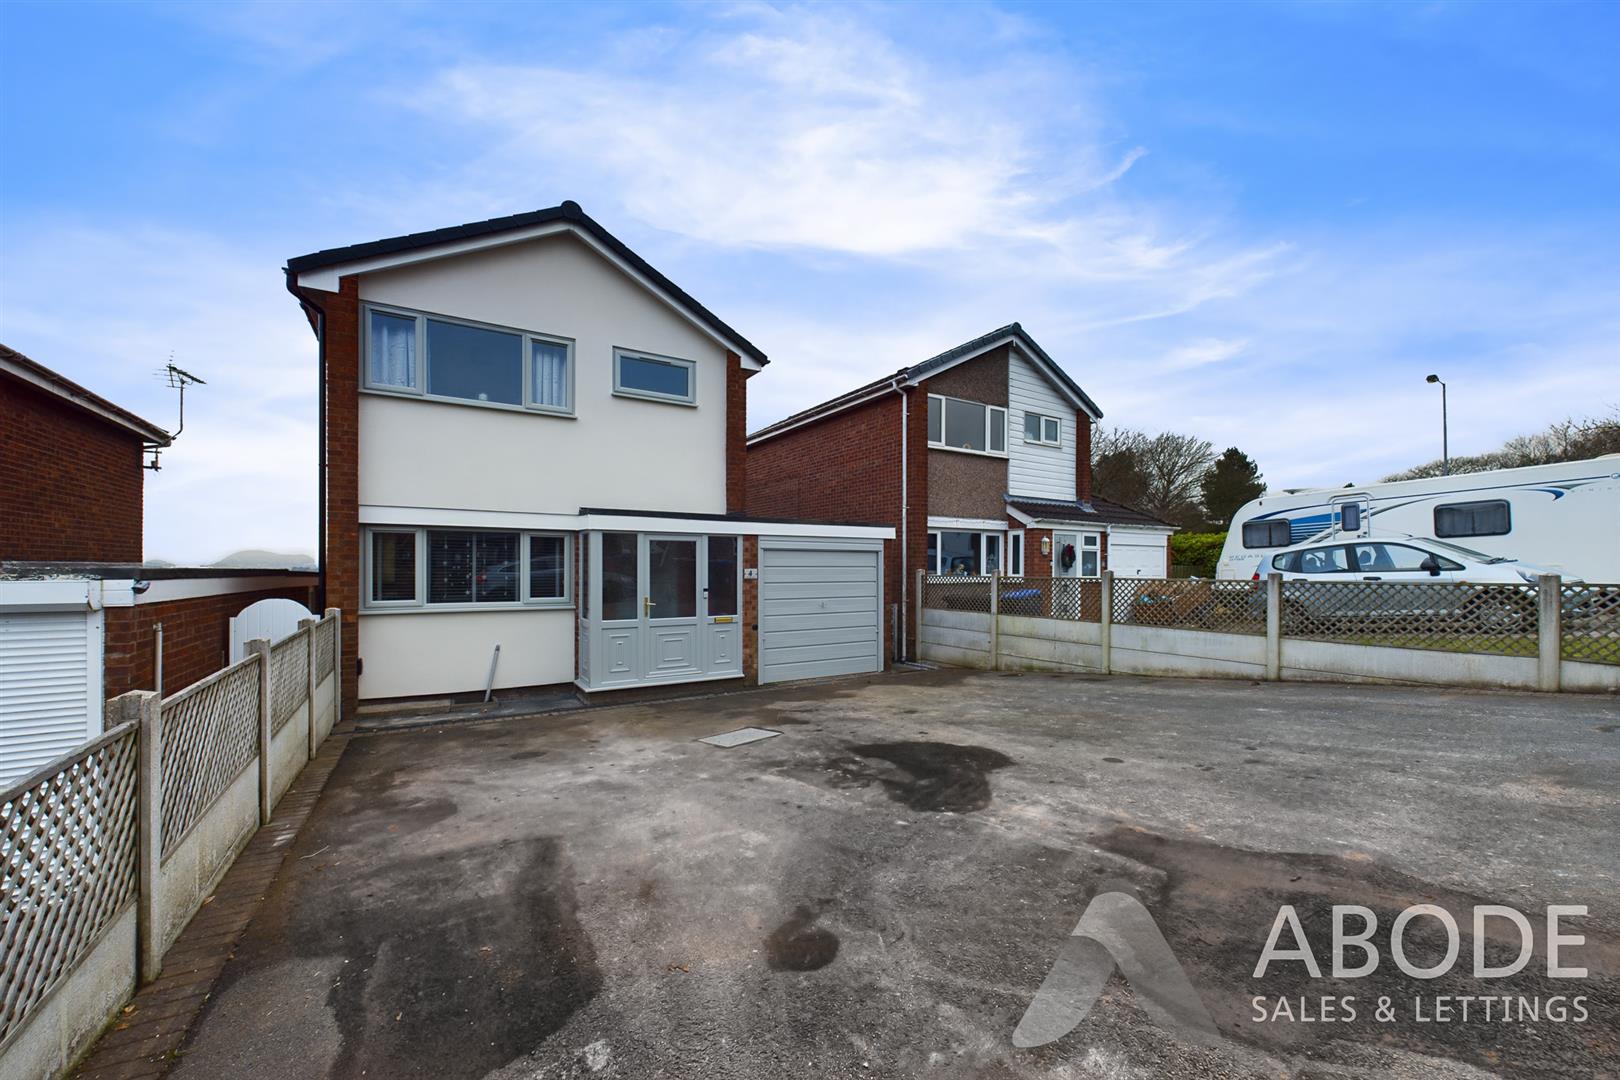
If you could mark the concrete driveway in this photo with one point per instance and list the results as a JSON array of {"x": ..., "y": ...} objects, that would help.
[{"x": 880, "y": 890}]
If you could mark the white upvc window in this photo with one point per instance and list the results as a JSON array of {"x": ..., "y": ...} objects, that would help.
[
  {"x": 1043, "y": 430},
  {"x": 428, "y": 568},
  {"x": 440, "y": 358},
  {"x": 653, "y": 377},
  {"x": 974, "y": 554},
  {"x": 1015, "y": 553},
  {"x": 968, "y": 426}
]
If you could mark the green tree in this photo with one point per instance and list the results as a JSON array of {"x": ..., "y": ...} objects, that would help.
[{"x": 1233, "y": 480}]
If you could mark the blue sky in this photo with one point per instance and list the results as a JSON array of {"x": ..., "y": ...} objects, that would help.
[{"x": 1262, "y": 224}]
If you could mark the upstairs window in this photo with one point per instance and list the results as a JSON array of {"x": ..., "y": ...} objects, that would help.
[
  {"x": 955, "y": 424},
  {"x": 659, "y": 378},
  {"x": 1045, "y": 430},
  {"x": 1273, "y": 532},
  {"x": 455, "y": 360},
  {"x": 1490, "y": 518}
]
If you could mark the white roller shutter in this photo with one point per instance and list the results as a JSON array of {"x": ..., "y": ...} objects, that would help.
[{"x": 50, "y": 686}]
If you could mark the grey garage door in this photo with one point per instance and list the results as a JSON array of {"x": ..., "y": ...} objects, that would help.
[{"x": 820, "y": 612}]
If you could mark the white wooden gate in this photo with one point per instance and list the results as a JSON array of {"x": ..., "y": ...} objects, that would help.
[{"x": 271, "y": 620}]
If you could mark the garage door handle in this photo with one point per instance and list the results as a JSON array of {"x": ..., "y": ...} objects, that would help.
[{"x": 1372, "y": 579}]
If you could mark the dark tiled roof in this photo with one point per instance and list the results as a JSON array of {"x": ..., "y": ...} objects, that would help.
[
  {"x": 1096, "y": 512},
  {"x": 67, "y": 389},
  {"x": 568, "y": 211},
  {"x": 926, "y": 368}
]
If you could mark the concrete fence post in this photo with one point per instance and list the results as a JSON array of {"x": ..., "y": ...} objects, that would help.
[
  {"x": 1105, "y": 633},
  {"x": 157, "y": 658},
  {"x": 1273, "y": 626},
  {"x": 142, "y": 706},
  {"x": 1550, "y": 633},
  {"x": 310, "y": 626},
  {"x": 262, "y": 648},
  {"x": 995, "y": 621},
  {"x": 922, "y": 576},
  {"x": 336, "y": 615}
]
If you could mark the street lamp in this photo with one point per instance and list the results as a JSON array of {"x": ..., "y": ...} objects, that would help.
[{"x": 1445, "y": 448}]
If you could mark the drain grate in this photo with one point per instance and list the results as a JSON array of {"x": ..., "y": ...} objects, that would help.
[{"x": 740, "y": 737}]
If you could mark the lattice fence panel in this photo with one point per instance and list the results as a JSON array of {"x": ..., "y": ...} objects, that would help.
[
  {"x": 210, "y": 734},
  {"x": 1591, "y": 627},
  {"x": 289, "y": 677},
  {"x": 325, "y": 648},
  {"x": 1228, "y": 607},
  {"x": 68, "y": 843},
  {"x": 1078, "y": 599},
  {"x": 957, "y": 592},
  {"x": 1453, "y": 617}
]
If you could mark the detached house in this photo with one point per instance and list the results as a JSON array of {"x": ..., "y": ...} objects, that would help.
[
  {"x": 534, "y": 442},
  {"x": 979, "y": 457}
]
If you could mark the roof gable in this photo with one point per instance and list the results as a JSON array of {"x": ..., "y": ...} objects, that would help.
[
  {"x": 34, "y": 373},
  {"x": 1012, "y": 333},
  {"x": 321, "y": 269}
]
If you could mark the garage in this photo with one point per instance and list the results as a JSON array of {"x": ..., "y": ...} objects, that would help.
[
  {"x": 820, "y": 609},
  {"x": 1137, "y": 554},
  {"x": 50, "y": 685}
]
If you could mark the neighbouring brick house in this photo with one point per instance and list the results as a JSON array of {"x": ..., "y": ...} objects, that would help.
[
  {"x": 78, "y": 607},
  {"x": 533, "y": 473},
  {"x": 980, "y": 458}
]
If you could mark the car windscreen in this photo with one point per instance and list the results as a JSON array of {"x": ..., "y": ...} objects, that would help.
[{"x": 1469, "y": 553}]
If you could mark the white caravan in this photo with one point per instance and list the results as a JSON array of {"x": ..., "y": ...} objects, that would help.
[{"x": 1565, "y": 517}]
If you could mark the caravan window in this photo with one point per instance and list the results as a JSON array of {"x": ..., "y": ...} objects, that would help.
[
  {"x": 1492, "y": 518},
  {"x": 1264, "y": 534}
]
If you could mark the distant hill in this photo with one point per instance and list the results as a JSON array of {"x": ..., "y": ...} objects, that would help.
[{"x": 268, "y": 560}]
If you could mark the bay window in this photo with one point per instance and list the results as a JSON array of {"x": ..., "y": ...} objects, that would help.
[
  {"x": 971, "y": 426},
  {"x": 423, "y": 568},
  {"x": 444, "y": 359}
]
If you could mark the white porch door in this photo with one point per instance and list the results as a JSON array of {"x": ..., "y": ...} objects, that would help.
[
  {"x": 670, "y": 608},
  {"x": 669, "y": 625}
]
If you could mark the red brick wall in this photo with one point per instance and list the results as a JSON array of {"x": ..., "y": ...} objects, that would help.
[
  {"x": 845, "y": 468},
  {"x": 341, "y": 569},
  {"x": 70, "y": 482},
  {"x": 750, "y": 612},
  {"x": 196, "y": 638},
  {"x": 736, "y": 434}
]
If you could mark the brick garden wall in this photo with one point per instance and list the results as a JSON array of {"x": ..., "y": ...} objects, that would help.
[
  {"x": 196, "y": 637},
  {"x": 70, "y": 482}
]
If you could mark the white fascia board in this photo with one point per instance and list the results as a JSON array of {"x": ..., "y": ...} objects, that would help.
[
  {"x": 191, "y": 588},
  {"x": 1020, "y": 516},
  {"x": 1158, "y": 530},
  {"x": 731, "y": 527},
  {"x": 326, "y": 278},
  {"x": 58, "y": 595},
  {"x": 975, "y": 524},
  {"x": 445, "y": 517}
]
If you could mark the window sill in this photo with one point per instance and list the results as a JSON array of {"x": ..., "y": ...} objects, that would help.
[
  {"x": 1043, "y": 442},
  {"x": 659, "y": 398},
  {"x": 501, "y": 406},
  {"x": 457, "y": 609},
  {"x": 1001, "y": 454}
]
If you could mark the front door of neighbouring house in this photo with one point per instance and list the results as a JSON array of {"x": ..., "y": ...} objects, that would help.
[
  {"x": 669, "y": 609},
  {"x": 1065, "y": 554}
]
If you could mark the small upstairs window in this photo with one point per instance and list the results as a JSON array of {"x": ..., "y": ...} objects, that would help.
[
  {"x": 658, "y": 378},
  {"x": 1045, "y": 430}
]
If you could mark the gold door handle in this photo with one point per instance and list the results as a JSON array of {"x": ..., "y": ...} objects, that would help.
[{"x": 647, "y": 605}]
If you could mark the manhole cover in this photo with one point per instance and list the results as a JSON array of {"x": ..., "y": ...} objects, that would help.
[{"x": 740, "y": 736}]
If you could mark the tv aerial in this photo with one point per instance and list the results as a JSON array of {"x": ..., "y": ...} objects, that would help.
[{"x": 177, "y": 379}]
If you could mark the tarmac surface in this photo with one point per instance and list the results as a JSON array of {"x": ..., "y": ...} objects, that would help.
[{"x": 880, "y": 891}]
